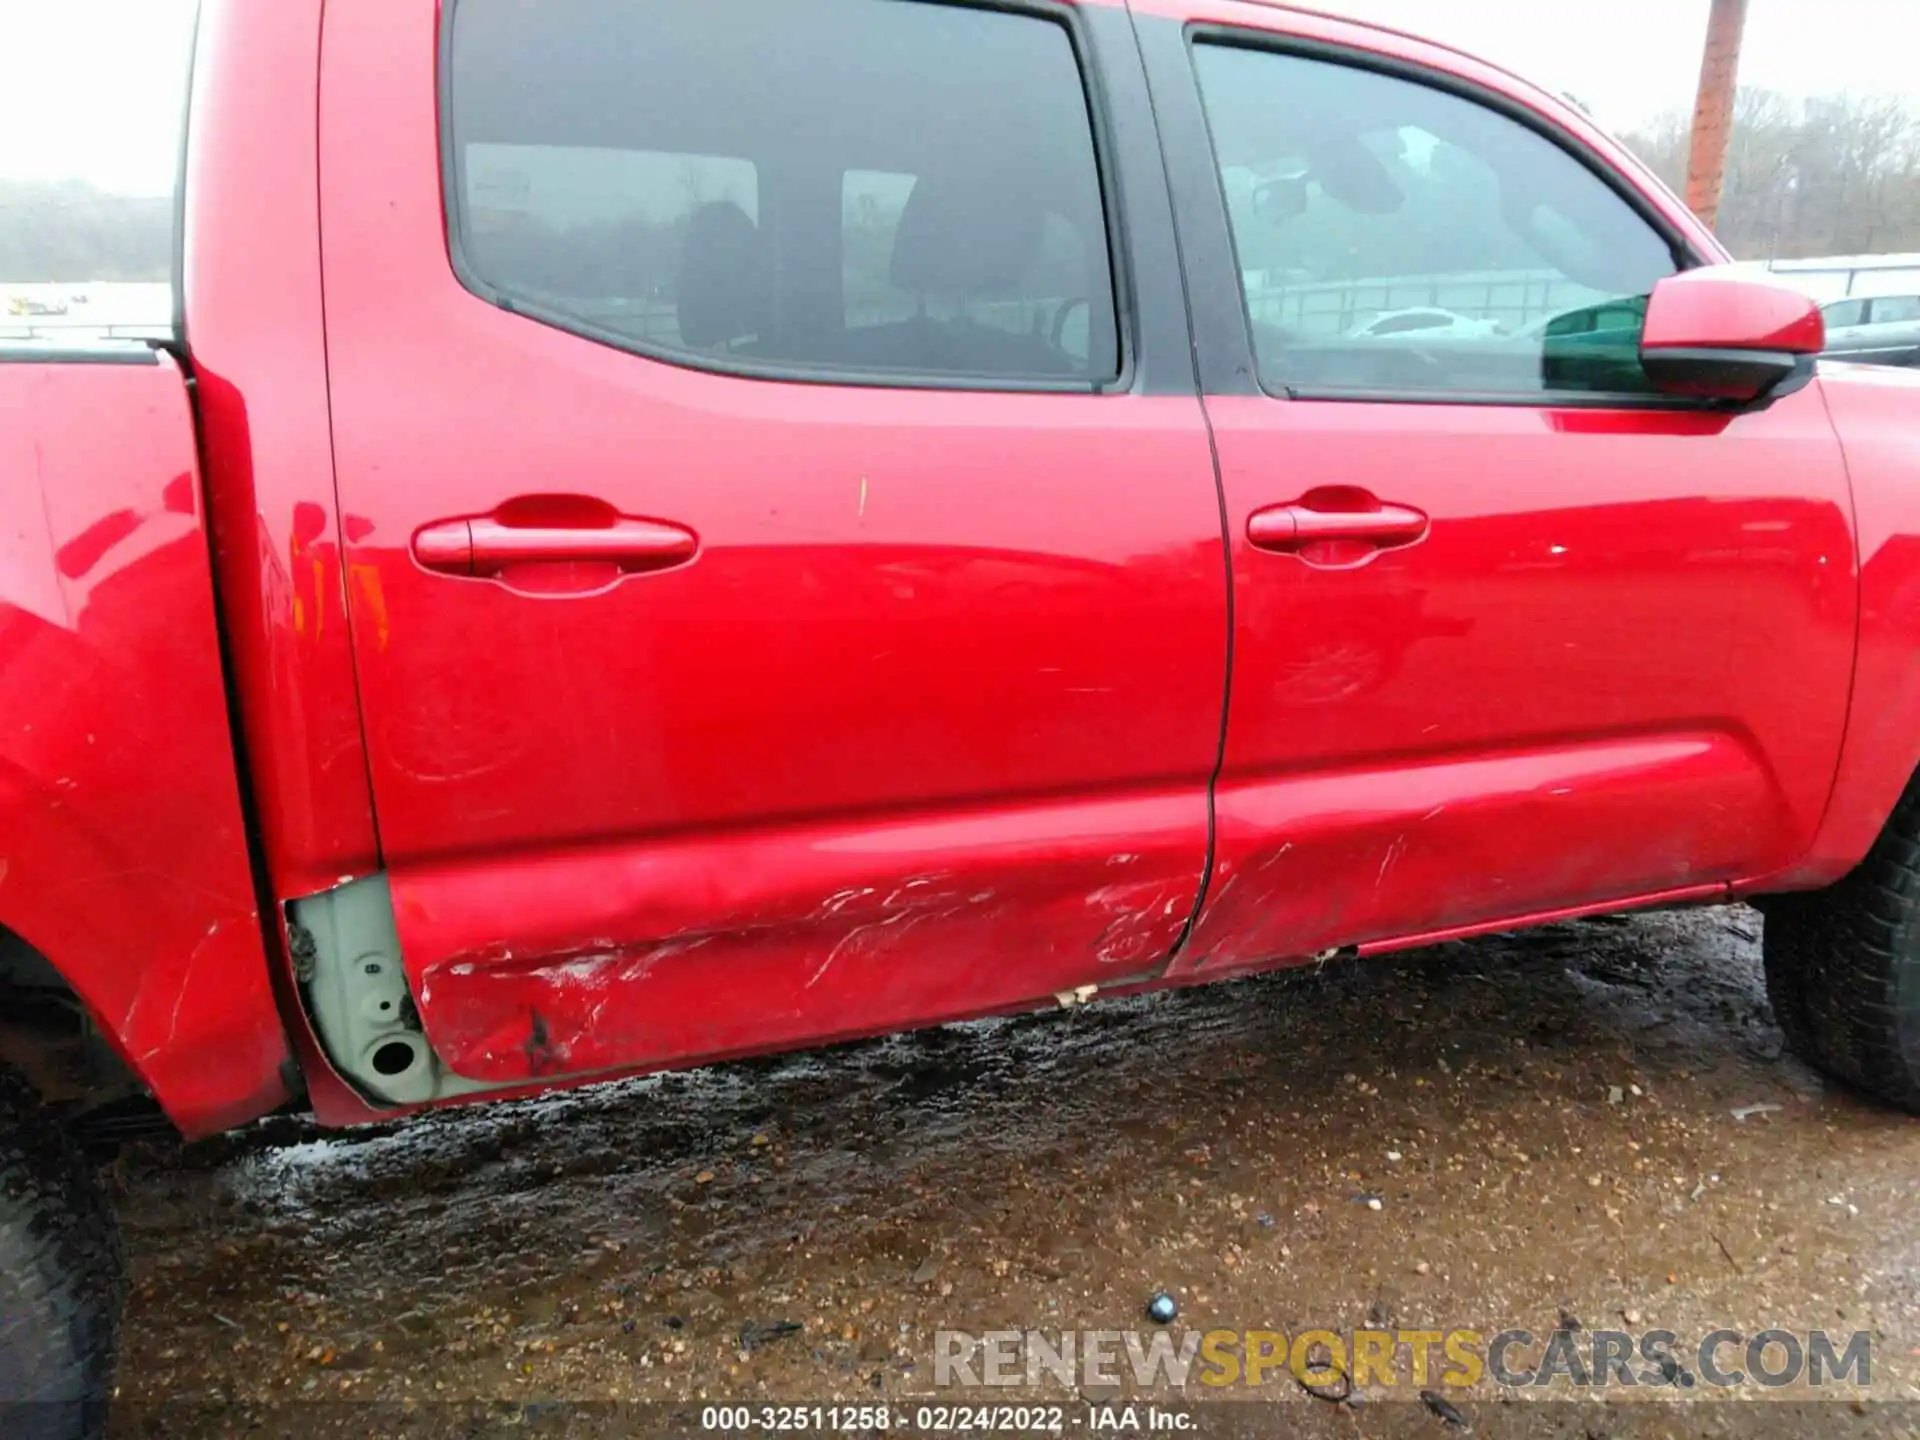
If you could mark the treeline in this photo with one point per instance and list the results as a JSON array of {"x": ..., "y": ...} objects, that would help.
[
  {"x": 71, "y": 233},
  {"x": 1838, "y": 175}
]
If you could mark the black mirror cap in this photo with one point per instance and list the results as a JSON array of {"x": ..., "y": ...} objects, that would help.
[{"x": 1738, "y": 376}]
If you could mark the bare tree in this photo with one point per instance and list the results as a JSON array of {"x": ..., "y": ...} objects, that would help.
[{"x": 1835, "y": 175}]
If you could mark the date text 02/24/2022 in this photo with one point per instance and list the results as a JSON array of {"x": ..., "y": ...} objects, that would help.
[{"x": 943, "y": 1419}]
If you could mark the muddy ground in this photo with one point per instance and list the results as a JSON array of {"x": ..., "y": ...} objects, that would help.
[{"x": 1589, "y": 1124}]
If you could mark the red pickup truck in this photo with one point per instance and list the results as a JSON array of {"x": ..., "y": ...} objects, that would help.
[{"x": 669, "y": 532}]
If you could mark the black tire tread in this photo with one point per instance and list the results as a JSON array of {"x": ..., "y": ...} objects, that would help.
[
  {"x": 1843, "y": 966},
  {"x": 1789, "y": 961},
  {"x": 62, "y": 1272}
]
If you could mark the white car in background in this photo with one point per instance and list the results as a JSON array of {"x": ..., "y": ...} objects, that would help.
[
  {"x": 1430, "y": 323},
  {"x": 1874, "y": 329}
]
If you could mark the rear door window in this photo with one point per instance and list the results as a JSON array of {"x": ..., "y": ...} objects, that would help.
[
  {"x": 789, "y": 186},
  {"x": 597, "y": 233}
]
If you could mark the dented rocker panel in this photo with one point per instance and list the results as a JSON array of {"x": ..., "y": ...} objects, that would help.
[{"x": 686, "y": 948}]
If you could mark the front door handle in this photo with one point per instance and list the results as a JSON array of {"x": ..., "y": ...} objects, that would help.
[
  {"x": 1355, "y": 526},
  {"x": 493, "y": 546}
]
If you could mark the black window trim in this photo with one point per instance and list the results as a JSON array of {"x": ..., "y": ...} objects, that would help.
[
  {"x": 1685, "y": 257},
  {"x": 1068, "y": 17}
]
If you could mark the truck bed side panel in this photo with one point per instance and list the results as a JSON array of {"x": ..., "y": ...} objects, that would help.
[{"x": 123, "y": 855}]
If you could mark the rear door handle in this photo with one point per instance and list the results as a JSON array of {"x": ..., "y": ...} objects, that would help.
[
  {"x": 1288, "y": 529},
  {"x": 488, "y": 547},
  {"x": 632, "y": 545}
]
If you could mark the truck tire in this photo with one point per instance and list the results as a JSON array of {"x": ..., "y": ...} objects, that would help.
[
  {"x": 1843, "y": 967},
  {"x": 61, "y": 1278},
  {"x": 1784, "y": 946}
]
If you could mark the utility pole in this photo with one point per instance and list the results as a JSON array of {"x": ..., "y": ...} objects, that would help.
[{"x": 1713, "y": 111}]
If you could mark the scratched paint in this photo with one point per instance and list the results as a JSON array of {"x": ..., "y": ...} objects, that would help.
[{"x": 850, "y": 958}]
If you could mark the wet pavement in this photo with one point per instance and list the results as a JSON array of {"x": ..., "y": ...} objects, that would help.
[{"x": 1589, "y": 1124}]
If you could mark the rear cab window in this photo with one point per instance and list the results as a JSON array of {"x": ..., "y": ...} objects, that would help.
[{"x": 906, "y": 191}]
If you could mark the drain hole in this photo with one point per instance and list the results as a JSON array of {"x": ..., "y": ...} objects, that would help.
[{"x": 393, "y": 1058}]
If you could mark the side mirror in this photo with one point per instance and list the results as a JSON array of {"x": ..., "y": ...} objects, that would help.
[{"x": 1716, "y": 334}]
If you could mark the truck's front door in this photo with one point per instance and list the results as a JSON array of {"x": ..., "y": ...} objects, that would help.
[
  {"x": 786, "y": 585},
  {"x": 1514, "y": 634}
]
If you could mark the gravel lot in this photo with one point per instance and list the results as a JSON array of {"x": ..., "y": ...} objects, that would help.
[{"x": 1590, "y": 1124}]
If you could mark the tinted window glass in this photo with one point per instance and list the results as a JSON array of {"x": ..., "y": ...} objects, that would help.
[
  {"x": 600, "y": 233},
  {"x": 1896, "y": 310},
  {"x": 1047, "y": 297},
  {"x": 1396, "y": 237},
  {"x": 846, "y": 185}
]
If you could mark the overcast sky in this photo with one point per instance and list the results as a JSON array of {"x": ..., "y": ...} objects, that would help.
[{"x": 93, "y": 87}]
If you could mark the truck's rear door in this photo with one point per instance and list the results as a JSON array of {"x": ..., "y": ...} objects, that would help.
[{"x": 785, "y": 569}]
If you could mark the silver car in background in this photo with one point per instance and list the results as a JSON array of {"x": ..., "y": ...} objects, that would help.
[{"x": 1874, "y": 329}]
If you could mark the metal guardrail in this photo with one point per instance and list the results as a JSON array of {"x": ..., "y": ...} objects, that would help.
[
  {"x": 79, "y": 331},
  {"x": 1337, "y": 308}
]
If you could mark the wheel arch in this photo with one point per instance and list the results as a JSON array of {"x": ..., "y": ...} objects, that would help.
[{"x": 102, "y": 991}]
